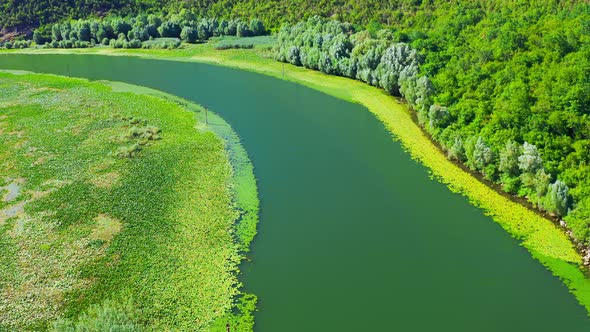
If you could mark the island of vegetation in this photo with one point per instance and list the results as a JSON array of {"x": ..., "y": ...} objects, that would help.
[
  {"x": 117, "y": 214},
  {"x": 501, "y": 88}
]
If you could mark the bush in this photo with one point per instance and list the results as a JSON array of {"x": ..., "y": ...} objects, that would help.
[
  {"x": 227, "y": 46},
  {"x": 161, "y": 43},
  {"x": 109, "y": 316},
  {"x": 189, "y": 34},
  {"x": 242, "y": 30},
  {"x": 257, "y": 27},
  {"x": 169, "y": 29},
  {"x": 128, "y": 151},
  {"x": 135, "y": 43},
  {"x": 38, "y": 38}
]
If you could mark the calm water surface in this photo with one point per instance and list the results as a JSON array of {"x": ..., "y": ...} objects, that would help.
[{"x": 353, "y": 234}]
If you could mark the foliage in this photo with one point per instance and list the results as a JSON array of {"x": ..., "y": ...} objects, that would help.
[
  {"x": 161, "y": 43},
  {"x": 189, "y": 34},
  {"x": 138, "y": 31},
  {"x": 476, "y": 104},
  {"x": 108, "y": 316}
]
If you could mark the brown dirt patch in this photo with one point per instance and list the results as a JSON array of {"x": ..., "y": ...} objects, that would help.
[
  {"x": 106, "y": 228},
  {"x": 106, "y": 180}
]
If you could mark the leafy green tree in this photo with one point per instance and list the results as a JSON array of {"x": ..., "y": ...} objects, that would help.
[
  {"x": 530, "y": 161},
  {"x": 189, "y": 34},
  {"x": 38, "y": 38},
  {"x": 482, "y": 155},
  {"x": 242, "y": 30},
  {"x": 231, "y": 28},
  {"x": 169, "y": 29},
  {"x": 257, "y": 27},
  {"x": 578, "y": 221},
  {"x": 101, "y": 34},
  {"x": 509, "y": 163},
  {"x": 557, "y": 200},
  {"x": 293, "y": 56},
  {"x": 84, "y": 31},
  {"x": 542, "y": 181},
  {"x": 56, "y": 32},
  {"x": 439, "y": 117},
  {"x": 457, "y": 150},
  {"x": 121, "y": 26},
  {"x": 397, "y": 58},
  {"x": 204, "y": 31}
]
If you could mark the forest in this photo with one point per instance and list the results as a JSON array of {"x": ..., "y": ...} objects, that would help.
[{"x": 503, "y": 87}]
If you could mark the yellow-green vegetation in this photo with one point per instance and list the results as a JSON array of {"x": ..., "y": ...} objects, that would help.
[{"x": 119, "y": 210}]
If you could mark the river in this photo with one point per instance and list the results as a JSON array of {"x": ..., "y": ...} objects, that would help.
[{"x": 353, "y": 234}]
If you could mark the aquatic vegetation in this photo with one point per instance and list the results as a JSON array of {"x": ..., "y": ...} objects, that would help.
[{"x": 97, "y": 239}]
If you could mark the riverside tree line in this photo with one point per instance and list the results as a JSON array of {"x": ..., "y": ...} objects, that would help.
[
  {"x": 147, "y": 31},
  {"x": 381, "y": 58}
]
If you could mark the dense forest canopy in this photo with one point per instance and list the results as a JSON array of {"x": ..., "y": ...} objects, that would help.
[
  {"x": 401, "y": 13},
  {"x": 503, "y": 86}
]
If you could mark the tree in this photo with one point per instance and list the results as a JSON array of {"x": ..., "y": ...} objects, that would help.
[
  {"x": 242, "y": 30},
  {"x": 530, "y": 161},
  {"x": 397, "y": 58},
  {"x": 121, "y": 26},
  {"x": 154, "y": 20},
  {"x": 578, "y": 220},
  {"x": 84, "y": 31},
  {"x": 169, "y": 29},
  {"x": 56, "y": 32},
  {"x": 482, "y": 155},
  {"x": 439, "y": 117},
  {"x": 542, "y": 181},
  {"x": 101, "y": 34},
  {"x": 557, "y": 200},
  {"x": 38, "y": 38},
  {"x": 457, "y": 150},
  {"x": 509, "y": 159},
  {"x": 293, "y": 56},
  {"x": 203, "y": 31},
  {"x": 231, "y": 28},
  {"x": 257, "y": 27},
  {"x": 189, "y": 34}
]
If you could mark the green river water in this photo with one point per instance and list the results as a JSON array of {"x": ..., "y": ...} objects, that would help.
[{"x": 353, "y": 234}]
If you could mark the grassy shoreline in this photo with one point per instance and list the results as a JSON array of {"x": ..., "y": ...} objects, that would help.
[
  {"x": 546, "y": 242},
  {"x": 153, "y": 227}
]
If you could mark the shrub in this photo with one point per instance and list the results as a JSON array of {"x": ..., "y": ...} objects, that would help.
[
  {"x": 227, "y": 46},
  {"x": 128, "y": 151},
  {"x": 169, "y": 29},
  {"x": 135, "y": 43},
  {"x": 189, "y": 34},
  {"x": 161, "y": 43},
  {"x": 257, "y": 27},
  {"x": 109, "y": 316},
  {"x": 242, "y": 30}
]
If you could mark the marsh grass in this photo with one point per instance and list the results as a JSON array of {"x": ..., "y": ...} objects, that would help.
[{"x": 146, "y": 242}]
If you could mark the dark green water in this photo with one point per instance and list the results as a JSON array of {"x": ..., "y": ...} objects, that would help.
[{"x": 353, "y": 235}]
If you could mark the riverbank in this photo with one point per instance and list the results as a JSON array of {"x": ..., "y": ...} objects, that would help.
[
  {"x": 546, "y": 242},
  {"x": 115, "y": 250}
]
